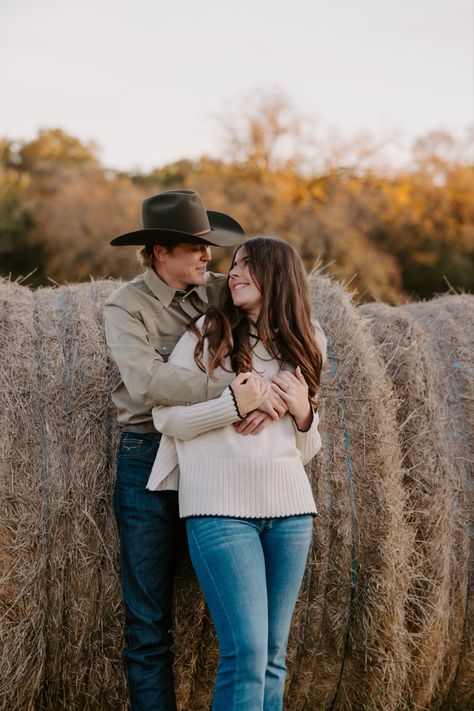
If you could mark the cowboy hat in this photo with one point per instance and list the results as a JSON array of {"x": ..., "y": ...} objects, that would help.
[{"x": 179, "y": 216}]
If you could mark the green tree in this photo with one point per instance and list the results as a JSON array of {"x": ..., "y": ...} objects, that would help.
[{"x": 16, "y": 256}]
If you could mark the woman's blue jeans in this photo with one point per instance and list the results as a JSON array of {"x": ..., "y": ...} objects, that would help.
[
  {"x": 250, "y": 571},
  {"x": 150, "y": 534}
]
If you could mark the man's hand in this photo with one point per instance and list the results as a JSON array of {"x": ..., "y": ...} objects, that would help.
[{"x": 254, "y": 423}]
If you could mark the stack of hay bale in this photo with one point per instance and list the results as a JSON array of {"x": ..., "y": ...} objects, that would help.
[{"x": 385, "y": 617}]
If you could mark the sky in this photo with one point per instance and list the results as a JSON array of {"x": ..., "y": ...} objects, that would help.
[{"x": 147, "y": 80}]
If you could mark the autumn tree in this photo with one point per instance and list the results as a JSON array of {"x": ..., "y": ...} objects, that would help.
[
  {"x": 392, "y": 234},
  {"x": 426, "y": 216},
  {"x": 16, "y": 220},
  {"x": 53, "y": 148},
  {"x": 78, "y": 208}
]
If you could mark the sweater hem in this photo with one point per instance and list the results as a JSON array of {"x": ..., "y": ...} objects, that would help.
[{"x": 253, "y": 518}]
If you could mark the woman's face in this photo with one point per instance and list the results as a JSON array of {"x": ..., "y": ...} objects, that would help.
[{"x": 243, "y": 289}]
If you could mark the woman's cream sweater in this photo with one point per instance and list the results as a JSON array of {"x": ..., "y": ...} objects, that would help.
[{"x": 223, "y": 473}]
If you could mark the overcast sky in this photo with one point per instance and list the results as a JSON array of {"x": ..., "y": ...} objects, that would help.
[{"x": 144, "y": 79}]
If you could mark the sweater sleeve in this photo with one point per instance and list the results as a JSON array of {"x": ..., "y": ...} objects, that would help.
[
  {"x": 308, "y": 442},
  {"x": 189, "y": 421}
]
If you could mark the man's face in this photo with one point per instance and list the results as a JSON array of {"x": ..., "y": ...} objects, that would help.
[{"x": 183, "y": 265}]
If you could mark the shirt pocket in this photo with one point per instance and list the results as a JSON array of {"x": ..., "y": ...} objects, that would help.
[{"x": 163, "y": 346}]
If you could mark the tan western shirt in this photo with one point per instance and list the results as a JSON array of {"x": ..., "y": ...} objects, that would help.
[{"x": 144, "y": 319}]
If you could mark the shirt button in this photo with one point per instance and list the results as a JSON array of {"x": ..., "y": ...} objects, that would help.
[
  {"x": 164, "y": 348},
  {"x": 188, "y": 403}
]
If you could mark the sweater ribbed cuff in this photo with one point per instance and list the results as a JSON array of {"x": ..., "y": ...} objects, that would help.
[
  {"x": 310, "y": 424},
  {"x": 242, "y": 417}
]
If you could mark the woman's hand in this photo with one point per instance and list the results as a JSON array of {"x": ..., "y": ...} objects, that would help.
[
  {"x": 272, "y": 403},
  {"x": 294, "y": 391},
  {"x": 249, "y": 391}
]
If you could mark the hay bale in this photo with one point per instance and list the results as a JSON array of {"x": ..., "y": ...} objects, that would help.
[
  {"x": 428, "y": 482},
  {"x": 419, "y": 346},
  {"x": 83, "y": 604},
  {"x": 23, "y": 540},
  {"x": 365, "y": 616},
  {"x": 449, "y": 323},
  {"x": 349, "y": 626},
  {"x": 58, "y": 421}
]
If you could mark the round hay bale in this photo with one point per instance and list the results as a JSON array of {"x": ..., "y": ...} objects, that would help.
[
  {"x": 23, "y": 541},
  {"x": 449, "y": 323},
  {"x": 428, "y": 482},
  {"x": 429, "y": 360},
  {"x": 348, "y": 647},
  {"x": 58, "y": 450},
  {"x": 83, "y": 605},
  {"x": 350, "y": 644}
]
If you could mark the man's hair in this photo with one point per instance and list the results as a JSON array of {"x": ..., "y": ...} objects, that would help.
[
  {"x": 284, "y": 325},
  {"x": 145, "y": 254}
]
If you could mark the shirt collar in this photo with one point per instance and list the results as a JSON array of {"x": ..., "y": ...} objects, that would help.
[{"x": 166, "y": 293}]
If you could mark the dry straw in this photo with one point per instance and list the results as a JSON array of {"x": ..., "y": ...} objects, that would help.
[
  {"x": 83, "y": 609},
  {"x": 22, "y": 512},
  {"x": 349, "y": 626},
  {"x": 384, "y": 618},
  {"x": 429, "y": 361},
  {"x": 449, "y": 325}
]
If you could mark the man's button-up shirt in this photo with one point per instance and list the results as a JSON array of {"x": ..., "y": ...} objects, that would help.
[{"x": 144, "y": 319}]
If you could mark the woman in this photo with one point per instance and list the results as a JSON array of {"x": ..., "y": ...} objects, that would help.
[{"x": 247, "y": 502}]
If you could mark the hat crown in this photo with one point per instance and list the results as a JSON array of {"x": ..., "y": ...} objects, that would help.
[
  {"x": 180, "y": 210},
  {"x": 176, "y": 216}
]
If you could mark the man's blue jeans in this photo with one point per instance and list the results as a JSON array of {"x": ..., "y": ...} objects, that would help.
[
  {"x": 250, "y": 571},
  {"x": 150, "y": 532}
]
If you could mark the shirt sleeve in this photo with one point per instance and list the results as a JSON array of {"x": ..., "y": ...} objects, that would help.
[{"x": 147, "y": 378}]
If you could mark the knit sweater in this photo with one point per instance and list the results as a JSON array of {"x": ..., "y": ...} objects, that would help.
[{"x": 222, "y": 473}]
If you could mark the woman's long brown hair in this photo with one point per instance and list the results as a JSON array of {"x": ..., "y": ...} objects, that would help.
[{"x": 284, "y": 324}]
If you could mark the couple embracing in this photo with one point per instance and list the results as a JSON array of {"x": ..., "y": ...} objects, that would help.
[{"x": 216, "y": 405}]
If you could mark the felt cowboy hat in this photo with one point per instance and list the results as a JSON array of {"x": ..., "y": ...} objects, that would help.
[{"x": 179, "y": 216}]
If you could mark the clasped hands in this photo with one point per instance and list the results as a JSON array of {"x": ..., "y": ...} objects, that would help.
[{"x": 262, "y": 401}]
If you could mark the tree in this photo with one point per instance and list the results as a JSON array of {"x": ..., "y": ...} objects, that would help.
[
  {"x": 265, "y": 134},
  {"x": 16, "y": 257},
  {"x": 53, "y": 147}
]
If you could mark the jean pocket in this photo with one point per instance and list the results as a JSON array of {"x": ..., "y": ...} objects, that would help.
[{"x": 133, "y": 446}]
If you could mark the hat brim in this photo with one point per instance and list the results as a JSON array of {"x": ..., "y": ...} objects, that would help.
[{"x": 225, "y": 232}]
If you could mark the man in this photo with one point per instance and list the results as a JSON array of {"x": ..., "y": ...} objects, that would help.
[{"x": 144, "y": 319}]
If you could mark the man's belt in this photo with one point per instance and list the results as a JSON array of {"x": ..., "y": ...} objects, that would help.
[{"x": 141, "y": 428}]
